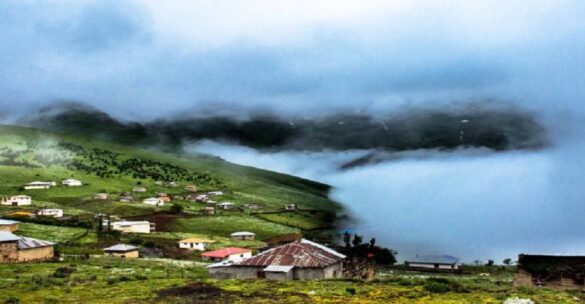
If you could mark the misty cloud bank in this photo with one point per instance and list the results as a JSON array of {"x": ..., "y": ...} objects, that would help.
[
  {"x": 475, "y": 204},
  {"x": 490, "y": 125}
]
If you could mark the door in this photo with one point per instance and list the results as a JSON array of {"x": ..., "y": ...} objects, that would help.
[{"x": 261, "y": 275}]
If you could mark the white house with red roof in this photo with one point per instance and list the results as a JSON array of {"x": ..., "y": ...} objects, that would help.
[{"x": 227, "y": 254}]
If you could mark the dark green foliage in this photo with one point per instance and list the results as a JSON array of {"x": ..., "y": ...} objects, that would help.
[
  {"x": 176, "y": 208},
  {"x": 442, "y": 285},
  {"x": 12, "y": 300},
  {"x": 350, "y": 290},
  {"x": 63, "y": 272}
]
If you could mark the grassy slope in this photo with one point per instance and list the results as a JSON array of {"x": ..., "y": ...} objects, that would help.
[
  {"x": 106, "y": 280},
  {"x": 241, "y": 184}
]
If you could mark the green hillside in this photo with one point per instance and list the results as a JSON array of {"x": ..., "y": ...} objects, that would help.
[{"x": 28, "y": 155}]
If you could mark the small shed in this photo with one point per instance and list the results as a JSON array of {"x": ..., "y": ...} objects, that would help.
[
  {"x": 208, "y": 211},
  {"x": 226, "y": 205},
  {"x": 243, "y": 236},
  {"x": 290, "y": 207},
  {"x": 139, "y": 189},
  {"x": 122, "y": 251},
  {"x": 153, "y": 201},
  {"x": 16, "y": 200},
  {"x": 8, "y": 225},
  {"x": 102, "y": 196}
]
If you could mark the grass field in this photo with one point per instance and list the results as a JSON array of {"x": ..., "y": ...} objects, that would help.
[{"x": 107, "y": 280}]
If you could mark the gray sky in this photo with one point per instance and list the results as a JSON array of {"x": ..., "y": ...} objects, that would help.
[{"x": 143, "y": 59}]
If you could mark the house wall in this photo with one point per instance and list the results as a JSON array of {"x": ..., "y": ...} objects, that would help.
[
  {"x": 279, "y": 276},
  {"x": 129, "y": 254},
  {"x": 239, "y": 256},
  {"x": 193, "y": 246},
  {"x": 232, "y": 272},
  {"x": 8, "y": 252},
  {"x": 243, "y": 237},
  {"x": 10, "y": 228},
  {"x": 36, "y": 254}
]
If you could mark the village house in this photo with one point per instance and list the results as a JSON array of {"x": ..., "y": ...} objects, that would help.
[
  {"x": 153, "y": 201},
  {"x": 191, "y": 188},
  {"x": 226, "y": 205},
  {"x": 139, "y": 189},
  {"x": 243, "y": 236},
  {"x": 71, "y": 182},
  {"x": 216, "y": 193},
  {"x": 50, "y": 212},
  {"x": 195, "y": 244},
  {"x": 18, "y": 249},
  {"x": 172, "y": 184},
  {"x": 201, "y": 198},
  {"x": 550, "y": 271},
  {"x": 132, "y": 226},
  {"x": 102, "y": 196},
  {"x": 159, "y": 183},
  {"x": 178, "y": 197},
  {"x": 165, "y": 198},
  {"x": 300, "y": 260},
  {"x": 252, "y": 206},
  {"x": 39, "y": 185},
  {"x": 15, "y": 200},
  {"x": 8, "y": 225},
  {"x": 433, "y": 262},
  {"x": 208, "y": 211},
  {"x": 227, "y": 254},
  {"x": 290, "y": 207},
  {"x": 122, "y": 251}
]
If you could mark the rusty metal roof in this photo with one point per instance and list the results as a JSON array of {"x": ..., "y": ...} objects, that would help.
[{"x": 302, "y": 253}]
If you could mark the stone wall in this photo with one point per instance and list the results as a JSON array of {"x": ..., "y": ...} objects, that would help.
[
  {"x": 36, "y": 254},
  {"x": 8, "y": 252}
]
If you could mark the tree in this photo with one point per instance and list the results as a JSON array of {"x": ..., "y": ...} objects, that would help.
[
  {"x": 507, "y": 261},
  {"x": 490, "y": 263}
]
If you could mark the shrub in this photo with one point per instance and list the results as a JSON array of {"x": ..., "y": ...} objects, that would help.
[
  {"x": 124, "y": 278},
  {"x": 140, "y": 277},
  {"x": 12, "y": 300},
  {"x": 63, "y": 272},
  {"x": 350, "y": 290},
  {"x": 111, "y": 280},
  {"x": 442, "y": 285},
  {"x": 136, "y": 241}
]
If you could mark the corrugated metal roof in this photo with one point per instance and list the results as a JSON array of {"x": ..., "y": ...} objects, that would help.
[
  {"x": 23, "y": 242},
  {"x": 222, "y": 253},
  {"x": 121, "y": 248},
  {"x": 6, "y": 236},
  {"x": 434, "y": 259},
  {"x": 8, "y": 222},
  {"x": 303, "y": 253}
]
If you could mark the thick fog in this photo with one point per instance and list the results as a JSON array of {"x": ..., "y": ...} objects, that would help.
[{"x": 475, "y": 204}]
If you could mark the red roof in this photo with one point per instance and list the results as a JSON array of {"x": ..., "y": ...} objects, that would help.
[
  {"x": 302, "y": 253},
  {"x": 222, "y": 253}
]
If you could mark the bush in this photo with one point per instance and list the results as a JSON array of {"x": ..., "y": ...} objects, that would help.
[
  {"x": 12, "y": 300},
  {"x": 136, "y": 241},
  {"x": 140, "y": 277},
  {"x": 124, "y": 278},
  {"x": 149, "y": 244},
  {"x": 112, "y": 280},
  {"x": 63, "y": 272},
  {"x": 350, "y": 290},
  {"x": 442, "y": 285}
]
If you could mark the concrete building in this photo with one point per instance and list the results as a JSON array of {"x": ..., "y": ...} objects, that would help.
[
  {"x": 433, "y": 262},
  {"x": 243, "y": 236},
  {"x": 8, "y": 225},
  {"x": 122, "y": 251},
  {"x": 550, "y": 271},
  {"x": 16, "y": 200},
  {"x": 290, "y": 207},
  {"x": 18, "y": 249},
  {"x": 50, "y": 212},
  {"x": 132, "y": 226},
  {"x": 227, "y": 254},
  {"x": 38, "y": 185},
  {"x": 139, "y": 189},
  {"x": 301, "y": 260},
  {"x": 195, "y": 244},
  {"x": 71, "y": 182},
  {"x": 226, "y": 205},
  {"x": 153, "y": 201}
]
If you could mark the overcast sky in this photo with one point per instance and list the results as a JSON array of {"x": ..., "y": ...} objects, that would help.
[{"x": 143, "y": 59}]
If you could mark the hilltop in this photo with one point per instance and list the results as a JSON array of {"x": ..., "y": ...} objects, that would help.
[{"x": 28, "y": 155}]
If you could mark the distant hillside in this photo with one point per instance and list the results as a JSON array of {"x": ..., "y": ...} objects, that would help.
[
  {"x": 28, "y": 155},
  {"x": 498, "y": 127}
]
